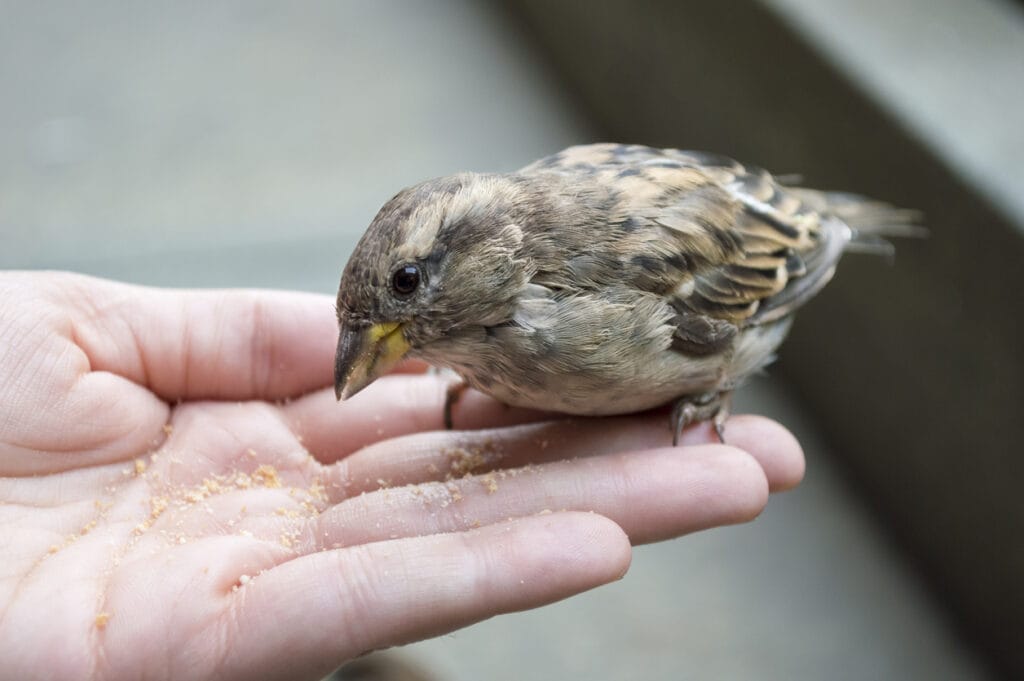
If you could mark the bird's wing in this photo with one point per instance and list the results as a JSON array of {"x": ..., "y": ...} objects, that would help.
[
  {"x": 602, "y": 154},
  {"x": 727, "y": 244}
]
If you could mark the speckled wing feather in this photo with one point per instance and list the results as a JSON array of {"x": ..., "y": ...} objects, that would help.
[{"x": 726, "y": 243}]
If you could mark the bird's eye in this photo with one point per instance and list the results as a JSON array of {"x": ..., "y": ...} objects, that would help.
[{"x": 405, "y": 280}]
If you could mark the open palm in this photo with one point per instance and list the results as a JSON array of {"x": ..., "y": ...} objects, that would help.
[{"x": 182, "y": 497}]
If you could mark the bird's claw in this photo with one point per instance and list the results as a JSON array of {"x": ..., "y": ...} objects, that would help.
[{"x": 690, "y": 410}]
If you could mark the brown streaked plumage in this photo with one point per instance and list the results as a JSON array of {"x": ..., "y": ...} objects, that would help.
[{"x": 604, "y": 279}]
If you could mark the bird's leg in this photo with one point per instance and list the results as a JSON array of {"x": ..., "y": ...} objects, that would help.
[
  {"x": 683, "y": 414},
  {"x": 693, "y": 409},
  {"x": 452, "y": 393},
  {"x": 451, "y": 396},
  {"x": 724, "y": 409}
]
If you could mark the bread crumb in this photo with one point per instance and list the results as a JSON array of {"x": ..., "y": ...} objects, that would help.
[
  {"x": 317, "y": 490},
  {"x": 168, "y": 429},
  {"x": 157, "y": 505},
  {"x": 53, "y": 548},
  {"x": 308, "y": 501},
  {"x": 251, "y": 453},
  {"x": 102, "y": 619},
  {"x": 266, "y": 475},
  {"x": 490, "y": 483},
  {"x": 463, "y": 461}
]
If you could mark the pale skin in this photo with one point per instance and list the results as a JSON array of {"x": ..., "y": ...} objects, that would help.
[{"x": 182, "y": 497}]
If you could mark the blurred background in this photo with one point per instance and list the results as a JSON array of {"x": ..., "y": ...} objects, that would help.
[{"x": 250, "y": 143}]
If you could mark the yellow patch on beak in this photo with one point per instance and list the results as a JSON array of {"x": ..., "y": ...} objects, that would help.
[{"x": 366, "y": 353}]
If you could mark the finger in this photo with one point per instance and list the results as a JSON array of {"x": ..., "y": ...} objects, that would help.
[
  {"x": 390, "y": 407},
  {"x": 102, "y": 419},
  {"x": 441, "y": 455},
  {"x": 221, "y": 344},
  {"x": 309, "y": 615},
  {"x": 410, "y": 366},
  {"x": 653, "y": 495},
  {"x": 776, "y": 449}
]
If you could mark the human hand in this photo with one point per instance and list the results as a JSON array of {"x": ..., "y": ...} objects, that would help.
[{"x": 182, "y": 497}]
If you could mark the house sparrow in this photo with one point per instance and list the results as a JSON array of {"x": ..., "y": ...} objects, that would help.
[{"x": 605, "y": 279}]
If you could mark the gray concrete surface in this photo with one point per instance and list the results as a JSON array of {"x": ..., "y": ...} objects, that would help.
[
  {"x": 949, "y": 70},
  {"x": 182, "y": 127},
  {"x": 248, "y": 144}
]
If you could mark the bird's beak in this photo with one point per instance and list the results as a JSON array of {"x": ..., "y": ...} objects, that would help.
[{"x": 365, "y": 353}]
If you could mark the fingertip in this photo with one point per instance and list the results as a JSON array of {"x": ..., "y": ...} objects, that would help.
[
  {"x": 727, "y": 483},
  {"x": 772, "y": 445},
  {"x": 680, "y": 490},
  {"x": 598, "y": 542},
  {"x": 745, "y": 487}
]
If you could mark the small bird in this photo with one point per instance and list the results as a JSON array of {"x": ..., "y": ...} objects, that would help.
[{"x": 604, "y": 279}]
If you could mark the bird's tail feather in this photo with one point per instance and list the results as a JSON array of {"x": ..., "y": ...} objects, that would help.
[
  {"x": 870, "y": 219},
  {"x": 872, "y": 223}
]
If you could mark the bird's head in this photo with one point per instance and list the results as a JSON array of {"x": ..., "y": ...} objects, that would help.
[{"x": 439, "y": 258}]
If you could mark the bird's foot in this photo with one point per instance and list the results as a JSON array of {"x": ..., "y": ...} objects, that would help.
[
  {"x": 690, "y": 410},
  {"x": 451, "y": 396}
]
